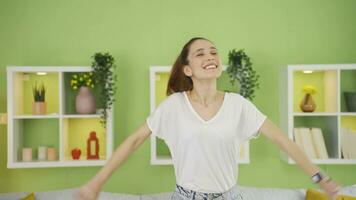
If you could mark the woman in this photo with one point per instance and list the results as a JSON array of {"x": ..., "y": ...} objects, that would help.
[{"x": 203, "y": 128}]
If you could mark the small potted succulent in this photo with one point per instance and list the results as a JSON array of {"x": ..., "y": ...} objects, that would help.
[
  {"x": 240, "y": 70},
  {"x": 103, "y": 69},
  {"x": 85, "y": 100},
  {"x": 39, "y": 93}
]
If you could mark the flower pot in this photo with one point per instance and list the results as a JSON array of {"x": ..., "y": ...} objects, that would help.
[
  {"x": 350, "y": 100},
  {"x": 85, "y": 101},
  {"x": 39, "y": 108},
  {"x": 307, "y": 104}
]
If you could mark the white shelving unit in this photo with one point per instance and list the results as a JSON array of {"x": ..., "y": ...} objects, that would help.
[
  {"x": 158, "y": 82},
  {"x": 61, "y": 128},
  {"x": 330, "y": 80}
]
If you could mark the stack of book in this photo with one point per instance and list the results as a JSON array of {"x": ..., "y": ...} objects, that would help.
[
  {"x": 348, "y": 140},
  {"x": 311, "y": 140}
]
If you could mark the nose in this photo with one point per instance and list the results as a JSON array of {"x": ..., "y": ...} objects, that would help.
[{"x": 211, "y": 57}]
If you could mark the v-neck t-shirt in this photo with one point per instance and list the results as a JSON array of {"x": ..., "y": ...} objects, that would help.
[{"x": 205, "y": 152}]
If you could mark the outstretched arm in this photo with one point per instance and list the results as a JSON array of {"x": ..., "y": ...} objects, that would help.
[
  {"x": 91, "y": 190},
  {"x": 272, "y": 132}
]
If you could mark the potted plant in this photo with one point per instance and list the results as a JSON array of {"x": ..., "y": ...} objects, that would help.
[
  {"x": 240, "y": 70},
  {"x": 39, "y": 94},
  {"x": 103, "y": 69},
  {"x": 85, "y": 100}
]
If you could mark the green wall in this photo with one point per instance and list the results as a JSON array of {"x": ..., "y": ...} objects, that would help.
[{"x": 143, "y": 33}]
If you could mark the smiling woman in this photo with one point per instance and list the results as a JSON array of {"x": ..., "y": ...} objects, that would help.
[{"x": 203, "y": 129}]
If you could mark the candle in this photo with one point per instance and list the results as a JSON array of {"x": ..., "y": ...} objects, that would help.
[
  {"x": 42, "y": 152},
  {"x": 26, "y": 154},
  {"x": 51, "y": 154}
]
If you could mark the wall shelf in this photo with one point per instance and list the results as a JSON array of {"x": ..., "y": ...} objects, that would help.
[
  {"x": 61, "y": 128},
  {"x": 331, "y": 114}
]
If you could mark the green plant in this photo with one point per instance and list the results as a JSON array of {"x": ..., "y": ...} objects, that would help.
[
  {"x": 103, "y": 69},
  {"x": 39, "y": 92},
  {"x": 82, "y": 79},
  {"x": 240, "y": 70}
]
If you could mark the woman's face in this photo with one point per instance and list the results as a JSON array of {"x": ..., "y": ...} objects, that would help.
[{"x": 204, "y": 61}]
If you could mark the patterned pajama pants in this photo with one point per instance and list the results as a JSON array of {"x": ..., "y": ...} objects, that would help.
[{"x": 181, "y": 193}]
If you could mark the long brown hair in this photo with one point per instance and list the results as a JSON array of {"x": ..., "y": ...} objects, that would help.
[{"x": 178, "y": 81}]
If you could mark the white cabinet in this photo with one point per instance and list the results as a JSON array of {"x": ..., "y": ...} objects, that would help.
[
  {"x": 60, "y": 128},
  {"x": 331, "y": 115},
  {"x": 160, "y": 154}
]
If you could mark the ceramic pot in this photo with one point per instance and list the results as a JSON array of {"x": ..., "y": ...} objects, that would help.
[
  {"x": 39, "y": 108},
  {"x": 85, "y": 101},
  {"x": 307, "y": 104}
]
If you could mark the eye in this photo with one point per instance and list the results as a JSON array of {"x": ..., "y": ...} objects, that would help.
[
  {"x": 213, "y": 53},
  {"x": 200, "y": 54}
]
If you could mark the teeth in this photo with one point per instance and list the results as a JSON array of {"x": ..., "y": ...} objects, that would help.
[{"x": 211, "y": 67}]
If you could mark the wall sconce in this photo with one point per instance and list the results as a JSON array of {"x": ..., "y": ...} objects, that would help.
[{"x": 3, "y": 118}]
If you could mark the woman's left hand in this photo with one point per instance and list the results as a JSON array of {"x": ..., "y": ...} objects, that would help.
[{"x": 330, "y": 187}]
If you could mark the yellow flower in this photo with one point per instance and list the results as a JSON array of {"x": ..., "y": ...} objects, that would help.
[
  {"x": 82, "y": 79},
  {"x": 309, "y": 89}
]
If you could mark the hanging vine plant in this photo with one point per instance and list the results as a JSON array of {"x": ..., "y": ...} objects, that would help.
[
  {"x": 240, "y": 70},
  {"x": 103, "y": 69}
]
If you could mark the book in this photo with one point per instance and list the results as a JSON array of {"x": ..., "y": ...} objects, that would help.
[
  {"x": 298, "y": 138},
  {"x": 344, "y": 143},
  {"x": 319, "y": 143},
  {"x": 307, "y": 142},
  {"x": 348, "y": 139},
  {"x": 352, "y": 142}
]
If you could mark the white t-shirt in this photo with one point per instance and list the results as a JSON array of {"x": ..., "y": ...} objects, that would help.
[{"x": 205, "y": 153}]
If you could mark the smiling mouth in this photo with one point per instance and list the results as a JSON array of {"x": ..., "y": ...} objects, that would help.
[{"x": 211, "y": 66}]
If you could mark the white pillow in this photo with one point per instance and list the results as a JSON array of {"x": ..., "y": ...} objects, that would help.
[
  {"x": 348, "y": 190},
  {"x": 158, "y": 196},
  {"x": 69, "y": 194},
  {"x": 12, "y": 196},
  {"x": 253, "y": 193}
]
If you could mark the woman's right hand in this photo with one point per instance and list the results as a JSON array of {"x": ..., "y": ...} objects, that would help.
[{"x": 86, "y": 193}]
